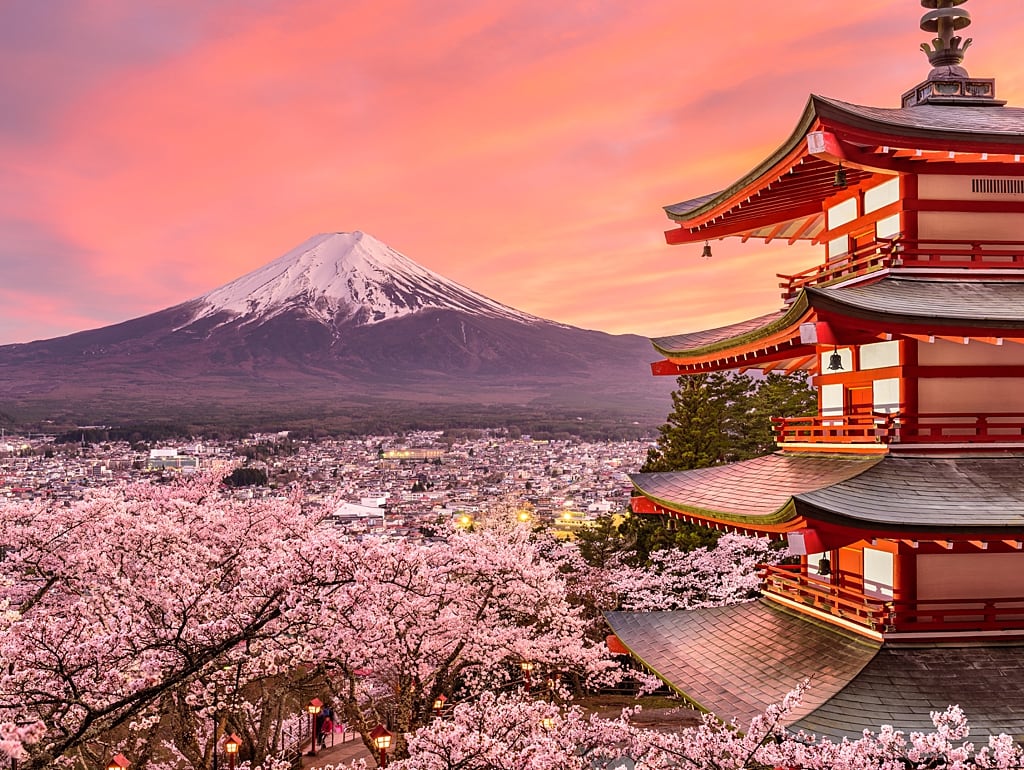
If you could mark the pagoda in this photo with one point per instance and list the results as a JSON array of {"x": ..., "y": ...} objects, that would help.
[{"x": 903, "y": 498}]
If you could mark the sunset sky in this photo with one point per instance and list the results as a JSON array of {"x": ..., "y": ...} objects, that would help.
[{"x": 152, "y": 150}]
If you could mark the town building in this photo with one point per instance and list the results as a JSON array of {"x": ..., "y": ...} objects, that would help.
[
  {"x": 904, "y": 496},
  {"x": 164, "y": 459}
]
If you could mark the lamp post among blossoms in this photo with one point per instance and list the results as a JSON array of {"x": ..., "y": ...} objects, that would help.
[
  {"x": 439, "y": 702},
  {"x": 313, "y": 708},
  {"x": 118, "y": 762},
  {"x": 231, "y": 744},
  {"x": 527, "y": 667},
  {"x": 381, "y": 737}
]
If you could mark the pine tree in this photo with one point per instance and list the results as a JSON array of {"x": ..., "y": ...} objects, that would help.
[
  {"x": 718, "y": 418},
  {"x": 777, "y": 395},
  {"x": 696, "y": 433}
]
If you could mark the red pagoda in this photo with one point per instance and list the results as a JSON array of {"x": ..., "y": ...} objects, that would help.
[{"x": 904, "y": 496}]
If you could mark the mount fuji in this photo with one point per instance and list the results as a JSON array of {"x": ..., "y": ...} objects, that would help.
[
  {"x": 347, "y": 278},
  {"x": 340, "y": 325}
]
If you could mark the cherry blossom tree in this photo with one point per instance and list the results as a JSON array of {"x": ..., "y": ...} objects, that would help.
[
  {"x": 726, "y": 573},
  {"x": 455, "y": 618},
  {"x": 150, "y": 618},
  {"x": 153, "y": 617},
  {"x": 138, "y": 596}
]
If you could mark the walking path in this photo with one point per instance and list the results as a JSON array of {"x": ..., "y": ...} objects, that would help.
[{"x": 339, "y": 753}]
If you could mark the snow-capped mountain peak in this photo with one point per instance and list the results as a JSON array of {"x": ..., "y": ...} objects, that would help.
[{"x": 346, "y": 277}]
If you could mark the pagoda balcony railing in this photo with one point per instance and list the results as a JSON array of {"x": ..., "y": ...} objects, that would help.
[
  {"x": 861, "y": 261},
  {"x": 792, "y": 582},
  {"x": 887, "y": 615},
  {"x": 841, "y": 429},
  {"x": 929, "y": 428},
  {"x": 899, "y": 253}
]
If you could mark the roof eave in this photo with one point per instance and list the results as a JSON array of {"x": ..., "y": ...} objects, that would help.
[
  {"x": 793, "y": 315},
  {"x": 799, "y": 133},
  {"x": 820, "y": 300},
  {"x": 813, "y": 512},
  {"x": 771, "y": 522},
  {"x": 832, "y": 111}
]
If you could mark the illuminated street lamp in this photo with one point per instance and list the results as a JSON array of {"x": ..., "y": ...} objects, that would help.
[
  {"x": 313, "y": 708},
  {"x": 231, "y": 744},
  {"x": 381, "y": 738},
  {"x": 118, "y": 762},
  {"x": 524, "y": 516},
  {"x": 527, "y": 667},
  {"x": 439, "y": 702},
  {"x": 552, "y": 681},
  {"x": 547, "y": 723}
]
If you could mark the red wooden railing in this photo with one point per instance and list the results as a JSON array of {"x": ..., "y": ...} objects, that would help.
[
  {"x": 862, "y": 261},
  {"x": 886, "y": 615},
  {"x": 961, "y": 254},
  {"x": 792, "y": 582},
  {"x": 950, "y": 428},
  {"x": 841, "y": 429},
  {"x": 959, "y": 615},
  {"x": 931, "y": 428},
  {"x": 898, "y": 253}
]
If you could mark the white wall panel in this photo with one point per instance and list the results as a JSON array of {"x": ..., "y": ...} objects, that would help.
[
  {"x": 945, "y": 353},
  {"x": 886, "y": 395},
  {"x": 976, "y": 395},
  {"x": 882, "y": 195},
  {"x": 960, "y": 225},
  {"x": 842, "y": 213},
  {"x": 878, "y": 355},
  {"x": 967, "y": 575}
]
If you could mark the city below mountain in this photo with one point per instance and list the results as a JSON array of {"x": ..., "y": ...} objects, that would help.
[{"x": 340, "y": 331}]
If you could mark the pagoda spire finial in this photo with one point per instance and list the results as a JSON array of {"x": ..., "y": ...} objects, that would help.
[
  {"x": 946, "y": 51},
  {"x": 948, "y": 83}
]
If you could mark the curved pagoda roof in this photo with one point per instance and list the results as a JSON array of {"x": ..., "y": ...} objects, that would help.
[
  {"x": 925, "y": 493},
  {"x": 754, "y": 493},
  {"x": 887, "y": 495},
  {"x": 930, "y": 303},
  {"x": 892, "y": 305},
  {"x": 736, "y": 661},
  {"x": 781, "y": 197}
]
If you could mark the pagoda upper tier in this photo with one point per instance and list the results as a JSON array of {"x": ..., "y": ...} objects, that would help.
[
  {"x": 784, "y": 196},
  {"x": 918, "y": 211}
]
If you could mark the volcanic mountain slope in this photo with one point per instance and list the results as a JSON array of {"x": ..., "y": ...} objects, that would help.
[{"x": 341, "y": 319}]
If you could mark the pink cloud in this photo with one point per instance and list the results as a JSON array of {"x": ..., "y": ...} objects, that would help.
[{"x": 521, "y": 149}]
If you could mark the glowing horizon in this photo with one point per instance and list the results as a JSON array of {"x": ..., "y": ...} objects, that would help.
[{"x": 155, "y": 153}]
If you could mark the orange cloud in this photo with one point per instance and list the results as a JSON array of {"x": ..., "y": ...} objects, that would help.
[{"x": 521, "y": 149}]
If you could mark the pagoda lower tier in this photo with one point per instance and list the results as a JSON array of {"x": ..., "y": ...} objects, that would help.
[{"x": 735, "y": 661}]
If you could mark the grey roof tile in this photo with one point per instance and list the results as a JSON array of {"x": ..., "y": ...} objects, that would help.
[
  {"x": 901, "y": 686},
  {"x": 996, "y": 122},
  {"x": 738, "y": 675},
  {"x": 981, "y": 304},
  {"x": 758, "y": 487},
  {"x": 948, "y": 493}
]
